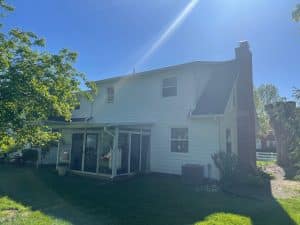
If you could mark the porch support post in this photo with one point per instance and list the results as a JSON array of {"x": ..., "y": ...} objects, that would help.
[
  {"x": 83, "y": 149},
  {"x": 129, "y": 152},
  {"x": 99, "y": 142},
  {"x": 115, "y": 152},
  {"x": 57, "y": 153},
  {"x": 140, "y": 156}
]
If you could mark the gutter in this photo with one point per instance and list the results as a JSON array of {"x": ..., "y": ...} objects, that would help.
[{"x": 206, "y": 116}]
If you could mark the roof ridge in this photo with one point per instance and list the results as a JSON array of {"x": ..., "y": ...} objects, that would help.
[{"x": 136, "y": 74}]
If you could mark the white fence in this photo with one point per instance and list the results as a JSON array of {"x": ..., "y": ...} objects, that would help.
[{"x": 266, "y": 156}]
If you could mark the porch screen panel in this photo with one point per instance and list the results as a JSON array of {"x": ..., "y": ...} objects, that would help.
[
  {"x": 123, "y": 154},
  {"x": 145, "y": 156},
  {"x": 90, "y": 157},
  {"x": 105, "y": 158},
  {"x": 135, "y": 153},
  {"x": 76, "y": 151}
]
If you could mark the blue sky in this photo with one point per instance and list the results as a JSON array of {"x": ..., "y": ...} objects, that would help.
[{"x": 111, "y": 36}]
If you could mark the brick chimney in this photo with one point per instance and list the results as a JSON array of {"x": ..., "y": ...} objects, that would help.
[{"x": 245, "y": 107}]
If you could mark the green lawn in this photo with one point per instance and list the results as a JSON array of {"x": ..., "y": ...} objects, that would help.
[{"x": 30, "y": 196}]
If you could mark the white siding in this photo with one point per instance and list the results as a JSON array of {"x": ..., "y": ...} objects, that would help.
[
  {"x": 139, "y": 99},
  {"x": 203, "y": 142},
  {"x": 229, "y": 122}
]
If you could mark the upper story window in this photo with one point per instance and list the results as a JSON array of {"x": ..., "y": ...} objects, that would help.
[
  {"x": 179, "y": 140},
  {"x": 110, "y": 95},
  {"x": 169, "y": 87}
]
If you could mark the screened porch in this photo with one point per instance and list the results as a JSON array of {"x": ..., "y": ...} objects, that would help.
[{"x": 108, "y": 151}]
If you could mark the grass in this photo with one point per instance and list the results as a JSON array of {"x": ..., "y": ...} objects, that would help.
[
  {"x": 30, "y": 196},
  {"x": 265, "y": 163},
  {"x": 12, "y": 213}
]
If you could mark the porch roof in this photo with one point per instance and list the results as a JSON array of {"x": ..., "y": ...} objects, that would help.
[{"x": 88, "y": 124}]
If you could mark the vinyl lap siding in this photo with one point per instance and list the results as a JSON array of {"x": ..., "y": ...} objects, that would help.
[
  {"x": 139, "y": 99},
  {"x": 203, "y": 141}
]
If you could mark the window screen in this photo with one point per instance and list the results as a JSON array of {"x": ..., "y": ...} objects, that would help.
[
  {"x": 110, "y": 95},
  {"x": 169, "y": 87},
  {"x": 179, "y": 140}
]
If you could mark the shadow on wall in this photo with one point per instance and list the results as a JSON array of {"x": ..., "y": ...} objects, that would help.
[{"x": 151, "y": 199}]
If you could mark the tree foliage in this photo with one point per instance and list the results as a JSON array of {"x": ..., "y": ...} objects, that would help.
[
  {"x": 269, "y": 94},
  {"x": 285, "y": 121},
  {"x": 296, "y": 94},
  {"x": 262, "y": 117},
  {"x": 34, "y": 85},
  {"x": 263, "y": 95},
  {"x": 296, "y": 13}
]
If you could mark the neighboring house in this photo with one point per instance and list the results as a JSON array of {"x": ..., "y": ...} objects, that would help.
[{"x": 162, "y": 119}]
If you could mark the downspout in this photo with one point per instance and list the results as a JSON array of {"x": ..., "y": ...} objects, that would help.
[{"x": 219, "y": 133}]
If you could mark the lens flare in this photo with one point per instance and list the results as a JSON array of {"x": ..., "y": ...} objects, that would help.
[
  {"x": 168, "y": 32},
  {"x": 165, "y": 35}
]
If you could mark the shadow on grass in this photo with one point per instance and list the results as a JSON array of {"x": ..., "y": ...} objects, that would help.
[{"x": 151, "y": 199}]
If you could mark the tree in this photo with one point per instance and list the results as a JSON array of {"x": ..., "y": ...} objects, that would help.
[
  {"x": 285, "y": 123},
  {"x": 269, "y": 94},
  {"x": 34, "y": 85},
  {"x": 296, "y": 94},
  {"x": 262, "y": 117},
  {"x": 296, "y": 13},
  {"x": 264, "y": 95}
]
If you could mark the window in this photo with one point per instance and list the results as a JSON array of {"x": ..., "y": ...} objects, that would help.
[
  {"x": 228, "y": 141},
  {"x": 179, "y": 140},
  {"x": 169, "y": 87},
  {"x": 77, "y": 107},
  {"x": 110, "y": 95}
]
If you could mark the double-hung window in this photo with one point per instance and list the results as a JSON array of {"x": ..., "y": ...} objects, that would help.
[
  {"x": 179, "y": 140},
  {"x": 110, "y": 95},
  {"x": 169, "y": 87}
]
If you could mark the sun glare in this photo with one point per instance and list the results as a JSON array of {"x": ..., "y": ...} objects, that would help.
[{"x": 168, "y": 31}]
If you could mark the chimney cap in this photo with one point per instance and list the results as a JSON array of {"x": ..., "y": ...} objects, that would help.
[{"x": 244, "y": 44}]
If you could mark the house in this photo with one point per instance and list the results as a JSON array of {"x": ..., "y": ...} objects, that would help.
[{"x": 160, "y": 120}]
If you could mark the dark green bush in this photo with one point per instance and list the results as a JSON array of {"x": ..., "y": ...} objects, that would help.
[
  {"x": 297, "y": 177},
  {"x": 232, "y": 174},
  {"x": 30, "y": 155},
  {"x": 227, "y": 163}
]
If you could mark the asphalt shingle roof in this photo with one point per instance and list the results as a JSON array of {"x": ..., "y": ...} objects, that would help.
[{"x": 215, "y": 96}]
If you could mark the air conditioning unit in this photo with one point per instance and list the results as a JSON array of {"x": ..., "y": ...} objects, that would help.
[{"x": 192, "y": 173}]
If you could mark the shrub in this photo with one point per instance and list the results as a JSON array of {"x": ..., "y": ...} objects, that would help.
[
  {"x": 297, "y": 177},
  {"x": 227, "y": 164},
  {"x": 30, "y": 155},
  {"x": 232, "y": 174},
  {"x": 251, "y": 180},
  {"x": 225, "y": 219}
]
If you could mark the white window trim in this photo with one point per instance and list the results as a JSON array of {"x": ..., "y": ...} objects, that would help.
[
  {"x": 107, "y": 95},
  {"x": 178, "y": 139},
  {"x": 164, "y": 87}
]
